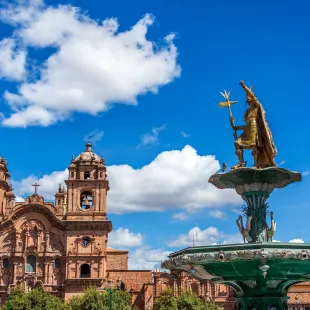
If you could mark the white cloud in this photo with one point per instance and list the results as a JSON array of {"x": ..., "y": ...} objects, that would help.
[
  {"x": 95, "y": 136},
  {"x": 282, "y": 162},
  {"x": 180, "y": 216},
  {"x": 147, "y": 258},
  {"x": 49, "y": 184},
  {"x": 306, "y": 173},
  {"x": 176, "y": 180},
  {"x": 16, "y": 13},
  {"x": 184, "y": 135},
  {"x": 122, "y": 237},
  {"x": 149, "y": 139},
  {"x": 19, "y": 199},
  {"x": 12, "y": 60},
  {"x": 92, "y": 67},
  {"x": 297, "y": 241},
  {"x": 217, "y": 214},
  {"x": 208, "y": 236}
]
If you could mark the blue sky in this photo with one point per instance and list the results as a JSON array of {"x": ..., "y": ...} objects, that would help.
[{"x": 67, "y": 76}]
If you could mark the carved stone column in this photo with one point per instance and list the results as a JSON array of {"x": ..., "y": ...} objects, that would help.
[
  {"x": 99, "y": 269},
  {"x": 47, "y": 241},
  {"x": 17, "y": 245},
  {"x": 45, "y": 272},
  {"x": 27, "y": 240},
  {"x": 68, "y": 268},
  {"x": 14, "y": 271}
]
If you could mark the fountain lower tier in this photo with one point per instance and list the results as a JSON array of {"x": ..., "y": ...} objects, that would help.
[{"x": 260, "y": 273}]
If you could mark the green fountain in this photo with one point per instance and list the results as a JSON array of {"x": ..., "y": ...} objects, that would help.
[{"x": 260, "y": 271}]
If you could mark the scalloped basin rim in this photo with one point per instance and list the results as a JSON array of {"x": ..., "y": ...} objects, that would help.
[
  {"x": 241, "y": 247},
  {"x": 279, "y": 177}
]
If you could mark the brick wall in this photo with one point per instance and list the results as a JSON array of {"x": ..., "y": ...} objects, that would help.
[
  {"x": 139, "y": 283},
  {"x": 133, "y": 280},
  {"x": 117, "y": 260}
]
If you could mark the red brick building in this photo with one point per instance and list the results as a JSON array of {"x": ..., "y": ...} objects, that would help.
[{"x": 62, "y": 246}]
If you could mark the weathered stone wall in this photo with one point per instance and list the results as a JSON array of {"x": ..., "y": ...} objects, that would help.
[
  {"x": 117, "y": 260},
  {"x": 133, "y": 280}
]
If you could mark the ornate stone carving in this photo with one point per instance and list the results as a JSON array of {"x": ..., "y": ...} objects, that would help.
[
  {"x": 250, "y": 284},
  {"x": 56, "y": 243},
  {"x": 35, "y": 199},
  {"x": 273, "y": 283},
  {"x": 32, "y": 235}
]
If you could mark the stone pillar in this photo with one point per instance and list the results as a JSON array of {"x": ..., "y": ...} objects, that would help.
[
  {"x": 47, "y": 241},
  {"x": 45, "y": 272},
  {"x": 14, "y": 271},
  {"x": 17, "y": 246},
  {"x": 76, "y": 269},
  {"x": 75, "y": 199},
  {"x": 101, "y": 199},
  {"x": 49, "y": 273},
  {"x": 99, "y": 269},
  {"x": 70, "y": 197},
  {"x": 68, "y": 268},
  {"x": 97, "y": 202}
]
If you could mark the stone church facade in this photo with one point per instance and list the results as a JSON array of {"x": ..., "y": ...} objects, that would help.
[{"x": 62, "y": 247}]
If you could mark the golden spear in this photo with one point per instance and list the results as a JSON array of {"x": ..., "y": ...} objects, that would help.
[{"x": 227, "y": 104}]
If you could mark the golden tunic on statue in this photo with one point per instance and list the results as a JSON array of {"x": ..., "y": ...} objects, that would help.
[{"x": 248, "y": 139}]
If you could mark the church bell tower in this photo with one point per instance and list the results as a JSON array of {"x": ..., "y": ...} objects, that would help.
[
  {"x": 87, "y": 187},
  {"x": 87, "y": 227}
]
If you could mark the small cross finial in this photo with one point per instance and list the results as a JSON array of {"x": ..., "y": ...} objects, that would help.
[{"x": 35, "y": 185}]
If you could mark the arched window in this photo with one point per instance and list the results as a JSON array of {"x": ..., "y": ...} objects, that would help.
[
  {"x": 31, "y": 263},
  {"x": 57, "y": 263},
  {"x": 72, "y": 174},
  {"x": 86, "y": 200},
  {"x": 85, "y": 271},
  {"x": 86, "y": 175},
  {"x": 6, "y": 263},
  {"x": 195, "y": 288}
]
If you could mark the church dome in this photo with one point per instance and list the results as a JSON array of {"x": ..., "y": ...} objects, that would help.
[{"x": 88, "y": 155}]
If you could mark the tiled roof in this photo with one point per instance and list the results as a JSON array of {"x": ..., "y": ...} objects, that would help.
[
  {"x": 302, "y": 298},
  {"x": 302, "y": 283}
]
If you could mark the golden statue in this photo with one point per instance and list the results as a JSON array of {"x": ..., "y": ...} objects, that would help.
[{"x": 256, "y": 134}]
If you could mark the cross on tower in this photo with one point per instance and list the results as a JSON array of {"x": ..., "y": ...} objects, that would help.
[{"x": 35, "y": 187}]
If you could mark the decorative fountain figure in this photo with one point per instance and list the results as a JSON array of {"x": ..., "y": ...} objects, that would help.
[
  {"x": 244, "y": 230},
  {"x": 261, "y": 271}
]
